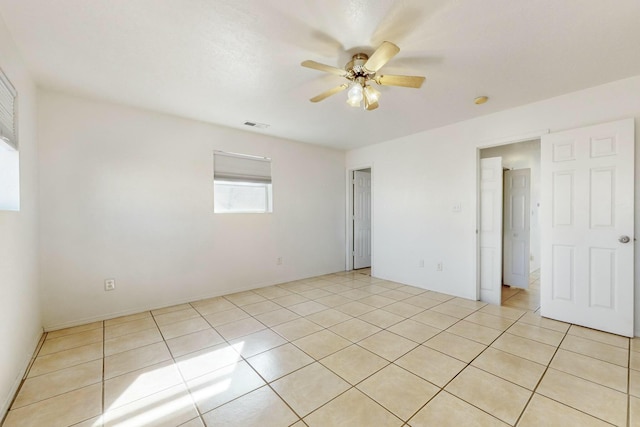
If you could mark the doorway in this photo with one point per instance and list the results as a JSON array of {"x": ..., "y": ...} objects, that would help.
[
  {"x": 359, "y": 219},
  {"x": 516, "y": 240},
  {"x": 586, "y": 225}
]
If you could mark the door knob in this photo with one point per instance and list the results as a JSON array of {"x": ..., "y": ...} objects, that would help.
[{"x": 624, "y": 239}]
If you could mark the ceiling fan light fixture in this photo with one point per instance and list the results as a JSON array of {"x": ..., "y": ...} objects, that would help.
[
  {"x": 354, "y": 96},
  {"x": 371, "y": 94},
  {"x": 353, "y": 102},
  {"x": 363, "y": 69}
]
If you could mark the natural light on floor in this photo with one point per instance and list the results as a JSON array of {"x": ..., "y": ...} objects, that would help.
[
  {"x": 138, "y": 406},
  {"x": 339, "y": 349}
]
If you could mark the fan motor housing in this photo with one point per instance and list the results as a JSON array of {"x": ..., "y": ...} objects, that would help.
[{"x": 355, "y": 68}]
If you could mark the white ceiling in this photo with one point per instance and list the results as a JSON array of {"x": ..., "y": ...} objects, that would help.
[{"x": 228, "y": 61}]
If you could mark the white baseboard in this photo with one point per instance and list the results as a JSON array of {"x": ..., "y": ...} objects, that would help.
[
  {"x": 220, "y": 292},
  {"x": 8, "y": 400}
]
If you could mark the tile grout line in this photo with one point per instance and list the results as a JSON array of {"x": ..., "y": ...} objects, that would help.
[
  {"x": 325, "y": 328},
  {"x": 175, "y": 363},
  {"x": 24, "y": 377},
  {"x": 546, "y": 369},
  {"x": 629, "y": 385},
  {"x": 356, "y": 343},
  {"x": 478, "y": 355},
  {"x": 548, "y": 365},
  {"x": 41, "y": 341},
  {"x": 576, "y": 376},
  {"x": 442, "y": 389},
  {"x": 311, "y": 356},
  {"x": 163, "y": 338},
  {"x": 62, "y": 393},
  {"x": 104, "y": 349},
  {"x": 419, "y": 344},
  {"x": 39, "y": 349},
  {"x": 360, "y": 391},
  {"x": 267, "y": 383}
]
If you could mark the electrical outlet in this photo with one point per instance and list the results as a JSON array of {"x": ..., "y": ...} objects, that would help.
[
  {"x": 421, "y": 263},
  {"x": 439, "y": 266},
  {"x": 279, "y": 261},
  {"x": 109, "y": 284}
]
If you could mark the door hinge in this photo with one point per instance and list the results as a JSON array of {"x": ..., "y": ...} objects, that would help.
[{"x": 353, "y": 253}]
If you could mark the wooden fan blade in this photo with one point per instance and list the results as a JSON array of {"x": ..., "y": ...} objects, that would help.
[
  {"x": 328, "y": 93},
  {"x": 326, "y": 68},
  {"x": 404, "y": 81},
  {"x": 381, "y": 56}
]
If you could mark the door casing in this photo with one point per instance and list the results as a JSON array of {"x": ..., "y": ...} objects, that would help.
[{"x": 488, "y": 144}]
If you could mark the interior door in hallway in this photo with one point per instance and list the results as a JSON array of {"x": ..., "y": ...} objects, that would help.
[
  {"x": 490, "y": 230},
  {"x": 361, "y": 219},
  {"x": 587, "y": 215},
  {"x": 517, "y": 216}
]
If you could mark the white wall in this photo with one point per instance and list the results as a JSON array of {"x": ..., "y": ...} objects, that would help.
[
  {"x": 20, "y": 324},
  {"x": 418, "y": 178},
  {"x": 127, "y": 194},
  {"x": 524, "y": 155},
  {"x": 9, "y": 178}
]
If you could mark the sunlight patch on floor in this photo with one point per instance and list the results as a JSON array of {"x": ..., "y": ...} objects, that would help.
[{"x": 139, "y": 405}]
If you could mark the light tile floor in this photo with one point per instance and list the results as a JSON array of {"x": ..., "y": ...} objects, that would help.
[
  {"x": 527, "y": 299},
  {"x": 343, "y": 349}
]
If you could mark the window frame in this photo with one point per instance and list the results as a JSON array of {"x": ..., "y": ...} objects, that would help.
[
  {"x": 9, "y": 129},
  {"x": 236, "y": 171}
]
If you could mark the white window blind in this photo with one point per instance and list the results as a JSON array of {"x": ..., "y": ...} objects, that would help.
[
  {"x": 241, "y": 183},
  {"x": 241, "y": 168},
  {"x": 8, "y": 125}
]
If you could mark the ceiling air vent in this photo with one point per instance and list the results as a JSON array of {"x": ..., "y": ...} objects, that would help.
[{"x": 256, "y": 125}]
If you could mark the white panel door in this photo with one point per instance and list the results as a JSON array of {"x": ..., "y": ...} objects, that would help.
[
  {"x": 587, "y": 226},
  {"x": 517, "y": 196},
  {"x": 361, "y": 219},
  {"x": 490, "y": 230}
]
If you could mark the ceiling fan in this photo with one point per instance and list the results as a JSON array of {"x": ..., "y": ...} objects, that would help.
[{"x": 361, "y": 71}]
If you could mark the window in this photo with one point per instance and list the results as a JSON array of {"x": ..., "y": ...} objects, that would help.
[
  {"x": 241, "y": 183},
  {"x": 9, "y": 157},
  {"x": 8, "y": 128}
]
